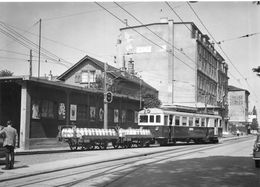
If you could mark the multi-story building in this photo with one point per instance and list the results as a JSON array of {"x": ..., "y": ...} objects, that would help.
[
  {"x": 238, "y": 109},
  {"x": 178, "y": 60}
]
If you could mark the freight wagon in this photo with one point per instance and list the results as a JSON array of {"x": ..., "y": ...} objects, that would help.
[
  {"x": 169, "y": 126},
  {"x": 91, "y": 138}
]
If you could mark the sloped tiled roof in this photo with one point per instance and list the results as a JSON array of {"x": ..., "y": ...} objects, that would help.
[{"x": 115, "y": 72}]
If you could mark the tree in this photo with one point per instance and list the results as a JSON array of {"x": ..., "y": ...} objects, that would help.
[
  {"x": 6, "y": 73},
  {"x": 151, "y": 101},
  {"x": 254, "y": 125},
  {"x": 257, "y": 70}
]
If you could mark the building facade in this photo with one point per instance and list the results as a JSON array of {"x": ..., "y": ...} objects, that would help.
[
  {"x": 238, "y": 109},
  {"x": 178, "y": 60}
]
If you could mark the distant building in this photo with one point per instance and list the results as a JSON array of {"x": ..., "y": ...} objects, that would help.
[
  {"x": 38, "y": 106},
  {"x": 238, "y": 109},
  {"x": 180, "y": 61}
]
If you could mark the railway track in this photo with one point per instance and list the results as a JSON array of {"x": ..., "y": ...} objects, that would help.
[{"x": 108, "y": 172}]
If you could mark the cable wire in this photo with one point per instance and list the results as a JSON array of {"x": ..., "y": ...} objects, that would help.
[{"x": 143, "y": 35}]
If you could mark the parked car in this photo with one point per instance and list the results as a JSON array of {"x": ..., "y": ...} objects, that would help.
[{"x": 256, "y": 151}]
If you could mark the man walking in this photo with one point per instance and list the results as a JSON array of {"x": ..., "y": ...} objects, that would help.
[{"x": 9, "y": 134}]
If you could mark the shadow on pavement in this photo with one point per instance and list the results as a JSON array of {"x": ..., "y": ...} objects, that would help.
[{"x": 207, "y": 171}]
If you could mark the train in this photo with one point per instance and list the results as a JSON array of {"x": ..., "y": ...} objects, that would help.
[
  {"x": 169, "y": 126},
  {"x": 156, "y": 126}
]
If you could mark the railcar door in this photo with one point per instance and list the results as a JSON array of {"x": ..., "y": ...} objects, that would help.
[{"x": 216, "y": 121}]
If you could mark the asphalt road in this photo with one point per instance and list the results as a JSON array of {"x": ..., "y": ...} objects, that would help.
[{"x": 227, "y": 164}]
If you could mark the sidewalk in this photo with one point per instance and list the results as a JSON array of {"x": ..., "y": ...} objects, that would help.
[{"x": 92, "y": 157}]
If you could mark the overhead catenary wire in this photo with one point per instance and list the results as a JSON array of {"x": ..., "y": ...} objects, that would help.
[
  {"x": 28, "y": 44},
  {"x": 15, "y": 39},
  {"x": 14, "y": 52},
  {"x": 169, "y": 5},
  {"x": 45, "y": 53},
  {"x": 221, "y": 48},
  {"x": 236, "y": 38},
  {"x": 179, "y": 50},
  {"x": 122, "y": 21},
  {"x": 61, "y": 43},
  {"x": 78, "y": 13}
]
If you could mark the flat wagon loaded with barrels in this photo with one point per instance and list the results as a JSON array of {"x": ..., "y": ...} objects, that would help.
[
  {"x": 162, "y": 126},
  {"x": 91, "y": 138}
]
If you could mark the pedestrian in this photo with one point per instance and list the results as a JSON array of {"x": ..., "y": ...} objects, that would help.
[{"x": 9, "y": 134}]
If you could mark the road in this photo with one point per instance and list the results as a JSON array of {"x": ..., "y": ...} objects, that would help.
[{"x": 227, "y": 164}]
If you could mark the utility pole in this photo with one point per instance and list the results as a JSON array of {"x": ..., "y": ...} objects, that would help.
[
  {"x": 30, "y": 61},
  {"x": 39, "y": 56},
  {"x": 105, "y": 99},
  {"x": 170, "y": 49},
  {"x": 140, "y": 94}
]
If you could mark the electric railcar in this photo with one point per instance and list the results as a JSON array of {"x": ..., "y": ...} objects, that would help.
[{"x": 168, "y": 126}]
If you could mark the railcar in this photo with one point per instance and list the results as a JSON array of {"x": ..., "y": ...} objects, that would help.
[{"x": 169, "y": 126}]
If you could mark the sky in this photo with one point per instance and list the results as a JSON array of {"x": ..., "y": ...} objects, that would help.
[{"x": 71, "y": 30}]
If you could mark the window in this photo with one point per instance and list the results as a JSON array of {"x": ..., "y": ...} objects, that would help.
[
  {"x": 177, "y": 120},
  {"x": 87, "y": 77},
  {"x": 203, "y": 122},
  {"x": 158, "y": 118},
  {"x": 184, "y": 121},
  {"x": 143, "y": 119},
  {"x": 92, "y": 77},
  {"x": 84, "y": 77},
  {"x": 152, "y": 118},
  {"x": 190, "y": 121},
  {"x": 170, "y": 120},
  {"x": 215, "y": 122},
  {"x": 165, "y": 120},
  {"x": 197, "y": 122}
]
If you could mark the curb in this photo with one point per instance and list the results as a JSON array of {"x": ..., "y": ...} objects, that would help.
[
  {"x": 67, "y": 149},
  {"x": 19, "y": 176}
]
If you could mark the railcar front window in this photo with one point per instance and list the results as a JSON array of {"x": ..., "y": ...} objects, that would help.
[
  {"x": 190, "y": 121},
  {"x": 152, "y": 119},
  {"x": 143, "y": 119},
  {"x": 184, "y": 121},
  {"x": 158, "y": 119}
]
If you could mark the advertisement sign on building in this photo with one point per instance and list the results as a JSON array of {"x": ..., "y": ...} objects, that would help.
[
  {"x": 237, "y": 106},
  {"x": 73, "y": 112}
]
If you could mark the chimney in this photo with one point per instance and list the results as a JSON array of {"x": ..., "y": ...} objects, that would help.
[
  {"x": 164, "y": 20},
  {"x": 131, "y": 66},
  {"x": 123, "y": 65}
]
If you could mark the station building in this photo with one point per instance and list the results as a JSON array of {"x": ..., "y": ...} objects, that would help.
[
  {"x": 38, "y": 106},
  {"x": 180, "y": 61}
]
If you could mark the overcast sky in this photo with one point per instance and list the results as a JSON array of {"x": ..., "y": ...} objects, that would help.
[{"x": 72, "y": 30}]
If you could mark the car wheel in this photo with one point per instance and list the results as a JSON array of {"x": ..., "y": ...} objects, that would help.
[{"x": 257, "y": 163}]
